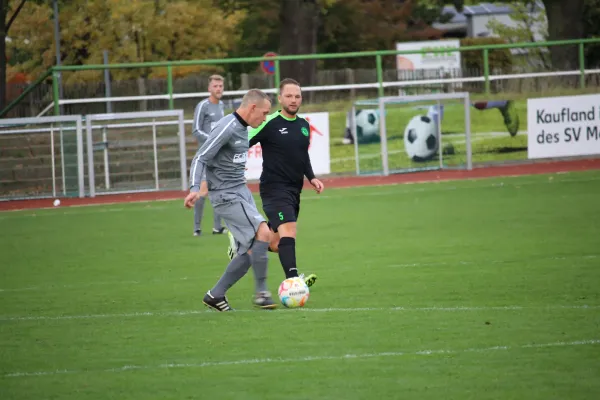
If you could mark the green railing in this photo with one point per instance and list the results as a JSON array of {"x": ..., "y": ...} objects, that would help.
[{"x": 485, "y": 49}]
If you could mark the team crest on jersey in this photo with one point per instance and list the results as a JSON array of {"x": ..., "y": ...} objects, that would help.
[
  {"x": 240, "y": 158},
  {"x": 304, "y": 131}
]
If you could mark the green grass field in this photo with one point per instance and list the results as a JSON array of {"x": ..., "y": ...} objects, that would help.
[{"x": 482, "y": 289}]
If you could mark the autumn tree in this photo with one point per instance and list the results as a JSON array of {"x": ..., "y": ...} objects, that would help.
[
  {"x": 132, "y": 31},
  {"x": 8, "y": 14}
]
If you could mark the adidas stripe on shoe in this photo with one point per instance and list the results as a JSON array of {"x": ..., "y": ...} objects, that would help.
[{"x": 216, "y": 303}]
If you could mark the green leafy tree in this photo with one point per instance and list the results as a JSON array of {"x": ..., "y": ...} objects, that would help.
[
  {"x": 565, "y": 21},
  {"x": 528, "y": 20},
  {"x": 310, "y": 26},
  {"x": 591, "y": 28}
]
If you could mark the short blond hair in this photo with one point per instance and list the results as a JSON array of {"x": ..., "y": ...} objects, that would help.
[{"x": 215, "y": 78}]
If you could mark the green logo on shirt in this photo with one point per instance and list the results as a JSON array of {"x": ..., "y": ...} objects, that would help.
[{"x": 304, "y": 131}]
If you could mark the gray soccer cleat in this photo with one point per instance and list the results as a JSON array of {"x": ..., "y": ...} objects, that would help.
[{"x": 263, "y": 300}]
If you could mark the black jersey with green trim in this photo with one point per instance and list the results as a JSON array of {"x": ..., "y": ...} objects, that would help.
[{"x": 284, "y": 143}]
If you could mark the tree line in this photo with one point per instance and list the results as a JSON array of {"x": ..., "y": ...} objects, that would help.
[{"x": 163, "y": 30}]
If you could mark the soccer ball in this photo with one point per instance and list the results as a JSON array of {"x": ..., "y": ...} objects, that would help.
[
  {"x": 367, "y": 125},
  {"x": 293, "y": 292},
  {"x": 420, "y": 138}
]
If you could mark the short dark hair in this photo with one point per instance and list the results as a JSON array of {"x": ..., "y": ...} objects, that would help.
[
  {"x": 254, "y": 96},
  {"x": 288, "y": 81}
]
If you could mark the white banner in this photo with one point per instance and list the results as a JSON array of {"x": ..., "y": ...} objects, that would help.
[
  {"x": 443, "y": 60},
  {"x": 318, "y": 150},
  {"x": 563, "y": 126}
]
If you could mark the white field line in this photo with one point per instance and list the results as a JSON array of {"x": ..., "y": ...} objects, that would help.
[
  {"x": 81, "y": 285},
  {"x": 186, "y": 313},
  {"x": 72, "y": 210},
  {"x": 350, "y": 356},
  {"x": 110, "y": 203},
  {"x": 430, "y": 186},
  {"x": 484, "y": 262}
]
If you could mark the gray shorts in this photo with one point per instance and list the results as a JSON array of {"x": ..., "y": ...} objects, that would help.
[{"x": 237, "y": 208}]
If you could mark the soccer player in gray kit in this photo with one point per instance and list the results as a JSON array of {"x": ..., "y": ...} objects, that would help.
[
  {"x": 223, "y": 155},
  {"x": 206, "y": 115}
]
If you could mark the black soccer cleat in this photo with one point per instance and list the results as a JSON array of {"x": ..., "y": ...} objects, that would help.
[
  {"x": 197, "y": 232},
  {"x": 218, "y": 231},
  {"x": 216, "y": 303}
]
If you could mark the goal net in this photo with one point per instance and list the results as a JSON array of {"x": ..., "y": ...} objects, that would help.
[
  {"x": 410, "y": 133},
  {"x": 41, "y": 157},
  {"x": 136, "y": 152}
]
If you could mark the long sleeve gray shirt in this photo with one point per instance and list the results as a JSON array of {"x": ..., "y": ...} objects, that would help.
[
  {"x": 206, "y": 116},
  {"x": 223, "y": 154}
]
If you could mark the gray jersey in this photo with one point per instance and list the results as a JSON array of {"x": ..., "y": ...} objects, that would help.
[
  {"x": 206, "y": 116},
  {"x": 223, "y": 154}
]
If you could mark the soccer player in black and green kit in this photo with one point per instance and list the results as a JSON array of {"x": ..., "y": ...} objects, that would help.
[{"x": 284, "y": 138}]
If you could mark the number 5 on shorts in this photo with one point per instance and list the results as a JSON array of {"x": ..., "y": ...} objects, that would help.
[{"x": 280, "y": 216}]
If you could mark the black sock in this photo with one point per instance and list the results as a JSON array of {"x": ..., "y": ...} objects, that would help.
[{"x": 287, "y": 256}]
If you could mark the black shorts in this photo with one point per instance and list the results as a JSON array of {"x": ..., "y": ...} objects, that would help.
[{"x": 280, "y": 205}]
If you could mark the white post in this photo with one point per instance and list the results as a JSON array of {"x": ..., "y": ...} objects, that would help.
[
  {"x": 106, "y": 167},
  {"x": 439, "y": 132},
  {"x": 182, "y": 158},
  {"x": 155, "y": 153},
  {"x": 52, "y": 154},
  {"x": 354, "y": 137},
  {"x": 80, "y": 179},
  {"x": 468, "y": 131},
  {"x": 383, "y": 134},
  {"x": 62, "y": 161},
  {"x": 90, "y": 151}
]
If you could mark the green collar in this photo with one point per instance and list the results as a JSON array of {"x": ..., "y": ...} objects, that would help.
[{"x": 284, "y": 117}]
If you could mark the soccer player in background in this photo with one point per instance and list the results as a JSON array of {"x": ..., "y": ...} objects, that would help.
[
  {"x": 285, "y": 139},
  {"x": 206, "y": 115},
  {"x": 224, "y": 155}
]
